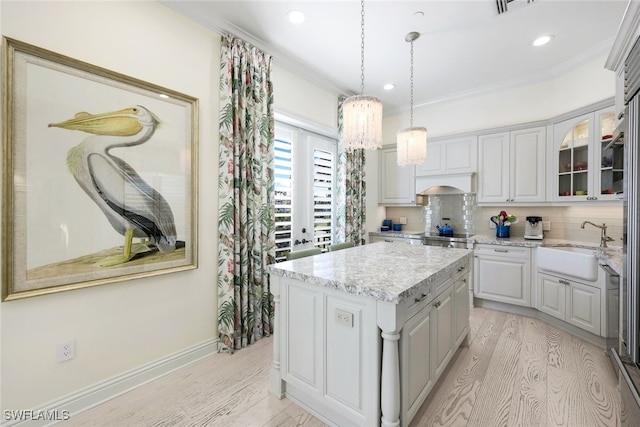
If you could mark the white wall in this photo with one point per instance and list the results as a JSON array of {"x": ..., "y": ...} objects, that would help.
[
  {"x": 582, "y": 85},
  {"x": 117, "y": 327},
  {"x": 122, "y": 326}
]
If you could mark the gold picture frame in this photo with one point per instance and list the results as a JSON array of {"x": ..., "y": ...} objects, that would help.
[{"x": 99, "y": 175}]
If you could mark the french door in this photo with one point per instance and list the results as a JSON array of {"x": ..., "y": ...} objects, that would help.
[{"x": 305, "y": 170}]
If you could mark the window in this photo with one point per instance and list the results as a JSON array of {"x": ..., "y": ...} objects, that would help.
[{"x": 305, "y": 168}]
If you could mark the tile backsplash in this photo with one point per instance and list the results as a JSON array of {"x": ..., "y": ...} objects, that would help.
[{"x": 565, "y": 220}]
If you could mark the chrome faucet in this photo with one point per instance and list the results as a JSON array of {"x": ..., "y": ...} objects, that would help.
[{"x": 603, "y": 233}]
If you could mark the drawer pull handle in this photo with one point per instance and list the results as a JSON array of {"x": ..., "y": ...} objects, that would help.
[
  {"x": 390, "y": 241},
  {"x": 422, "y": 297},
  {"x": 461, "y": 268},
  {"x": 564, "y": 282},
  {"x": 436, "y": 304},
  {"x": 501, "y": 250}
]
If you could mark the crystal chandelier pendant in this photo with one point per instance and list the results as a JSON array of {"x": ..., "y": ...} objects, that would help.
[
  {"x": 362, "y": 114},
  {"x": 412, "y": 142},
  {"x": 412, "y": 146},
  {"x": 362, "y": 122}
]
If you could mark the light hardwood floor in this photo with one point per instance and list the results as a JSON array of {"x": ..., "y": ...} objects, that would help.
[{"x": 517, "y": 371}]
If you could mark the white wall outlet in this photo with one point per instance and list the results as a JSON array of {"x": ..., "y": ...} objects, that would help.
[
  {"x": 546, "y": 225},
  {"x": 344, "y": 318},
  {"x": 492, "y": 224},
  {"x": 66, "y": 350},
  {"x": 403, "y": 220}
]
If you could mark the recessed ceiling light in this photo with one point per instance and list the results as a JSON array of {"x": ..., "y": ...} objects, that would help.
[
  {"x": 296, "y": 16},
  {"x": 389, "y": 86},
  {"x": 542, "y": 40}
]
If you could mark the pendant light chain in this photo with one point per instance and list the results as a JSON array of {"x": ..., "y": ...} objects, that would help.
[
  {"x": 362, "y": 114},
  {"x": 361, "y": 47},
  {"x": 411, "y": 102}
]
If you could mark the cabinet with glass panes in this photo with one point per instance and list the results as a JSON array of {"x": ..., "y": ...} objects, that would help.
[{"x": 586, "y": 170}]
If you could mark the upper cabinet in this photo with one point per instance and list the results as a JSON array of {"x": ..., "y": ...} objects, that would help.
[
  {"x": 583, "y": 169},
  {"x": 396, "y": 183},
  {"x": 511, "y": 166},
  {"x": 450, "y": 156}
]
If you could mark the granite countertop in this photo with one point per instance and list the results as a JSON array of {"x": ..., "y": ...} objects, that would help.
[
  {"x": 384, "y": 271},
  {"x": 404, "y": 234},
  {"x": 612, "y": 256}
]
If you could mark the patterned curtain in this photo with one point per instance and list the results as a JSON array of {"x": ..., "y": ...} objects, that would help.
[
  {"x": 352, "y": 190},
  {"x": 246, "y": 201}
]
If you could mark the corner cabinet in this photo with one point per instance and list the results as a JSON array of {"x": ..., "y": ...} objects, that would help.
[
  {"x": 584, "y": 171},
  {"x": 396, "y": 183},
  {"x": 511, "y": 166}
]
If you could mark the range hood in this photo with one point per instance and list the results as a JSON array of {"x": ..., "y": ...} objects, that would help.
[{"x": 443, "y": 184}]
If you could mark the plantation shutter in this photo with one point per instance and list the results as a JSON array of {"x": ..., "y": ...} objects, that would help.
[
  {"x": 283, "y": 166},
  {"x": 323, "y": 198}
]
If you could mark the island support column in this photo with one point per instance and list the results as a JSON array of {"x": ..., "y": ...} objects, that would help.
[
  {"x": 390, "y": 322},
  {"x": 276, "y": 385}
]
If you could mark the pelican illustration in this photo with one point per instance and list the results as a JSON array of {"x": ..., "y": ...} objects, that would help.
[{"x": 133, "y": 207}]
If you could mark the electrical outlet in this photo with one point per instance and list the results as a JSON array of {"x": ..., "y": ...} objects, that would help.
[
  {"x": 344, "y": 318},
  {"x": 403, "y": 220},
  {"x": 66, "y": 350},
  {"x": 492, "y": 224},
  {"x": 546, "y": 225}
]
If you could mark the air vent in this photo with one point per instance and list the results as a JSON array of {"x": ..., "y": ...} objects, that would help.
[{"x": 507, "y": 5}]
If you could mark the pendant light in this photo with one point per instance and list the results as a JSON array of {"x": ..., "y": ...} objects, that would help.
[
  {"x": 412, "y": 142},
  {"x": 362, "y": 114}
]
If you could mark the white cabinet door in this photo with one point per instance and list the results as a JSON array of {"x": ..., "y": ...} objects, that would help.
[
  {"x": 574, "y": 302},
  {"x": 396, "y": 183},
  {"x": 442, "y": 331},
  {"x": 527, "y": 165},
  {"x": 511, "y": 166},
  {"x": 461, "y": 309},
  {"x": 493, "y": 168},
  {"x": 552, "y": 296},
  {"x": 417, "y": 343},
  {"x": 503, "y": 276},
  {"x": 450, "y": 156},
  {"x": 583, "y": 307}
]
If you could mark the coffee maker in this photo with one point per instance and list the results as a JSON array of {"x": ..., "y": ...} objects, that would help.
[{"x": 533, "y": 228}]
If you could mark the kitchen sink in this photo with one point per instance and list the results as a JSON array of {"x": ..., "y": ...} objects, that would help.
[{"x": 569, "y": 261}]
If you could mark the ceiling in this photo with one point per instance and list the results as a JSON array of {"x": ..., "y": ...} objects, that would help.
[{"x": 465, "y": 47}]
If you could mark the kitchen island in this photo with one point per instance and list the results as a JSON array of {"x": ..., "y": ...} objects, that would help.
[{"x": 362, "y": 334}]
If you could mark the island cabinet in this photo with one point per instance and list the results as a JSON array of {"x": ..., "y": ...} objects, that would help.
[{"x": 362, "y": 335}]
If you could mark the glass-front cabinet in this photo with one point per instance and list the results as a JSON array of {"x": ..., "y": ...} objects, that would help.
[{"x": 586, "y": 170}]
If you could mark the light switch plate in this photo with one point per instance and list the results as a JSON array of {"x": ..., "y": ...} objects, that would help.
[
  {"x": 403, "y": 220},
  {"x": 546, "y": 225}
]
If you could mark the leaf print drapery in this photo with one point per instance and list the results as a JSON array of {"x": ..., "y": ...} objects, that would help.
[
  {"x": 246, "y": 209},
  {"x": 352, "y": 190}
]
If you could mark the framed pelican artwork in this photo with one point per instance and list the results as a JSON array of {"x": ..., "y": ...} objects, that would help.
[{"x": 99, "y": 175}]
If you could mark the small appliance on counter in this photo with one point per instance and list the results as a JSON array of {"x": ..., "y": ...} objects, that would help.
[
  {"x": 533, "y": 228},
  {"x": 387, "y": 224}
]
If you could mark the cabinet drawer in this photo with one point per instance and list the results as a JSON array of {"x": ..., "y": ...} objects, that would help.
[
  {"x": 502, "y": 251},
  {"x": 418, "y": 301}
]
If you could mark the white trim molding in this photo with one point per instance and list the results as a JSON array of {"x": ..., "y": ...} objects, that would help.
[{"x": 89, "y": 397}]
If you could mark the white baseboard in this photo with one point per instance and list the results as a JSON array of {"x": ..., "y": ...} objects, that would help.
[{"x": 101, "y": 392}]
